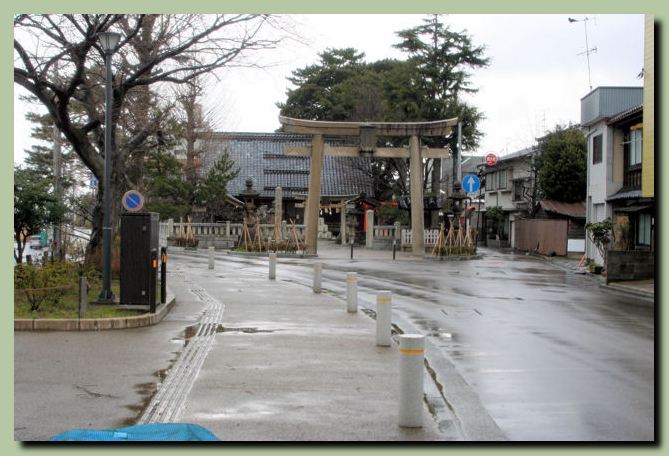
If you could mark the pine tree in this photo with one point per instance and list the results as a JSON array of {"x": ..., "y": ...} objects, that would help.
[{"x": 212, "y": 191}]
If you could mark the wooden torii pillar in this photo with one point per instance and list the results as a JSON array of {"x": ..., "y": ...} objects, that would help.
[{"x": 367, "y": 132}]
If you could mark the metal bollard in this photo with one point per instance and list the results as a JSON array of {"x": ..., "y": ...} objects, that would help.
[
  {"x": 83, "y": 296},
  {"x": 383, "y": 318},
  {"x": 351, "y": 248},
  {"x": 412, "y": 356},
  {"x": 163, "y": 275},
  {"x": 352, "y": 292},
  {"x": 152, "y": 283},
  {"x": 318, "y": 272},
  {"x": 272, "y": 266},
  {"x": 211, "y": 258},
  {"x": 394, "y": 246}
]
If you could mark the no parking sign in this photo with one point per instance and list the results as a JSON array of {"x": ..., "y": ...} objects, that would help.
[{"x": 132, "y": 201}]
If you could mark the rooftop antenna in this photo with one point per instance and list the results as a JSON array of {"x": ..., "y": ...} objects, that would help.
[{"x": 588, "y": 50}]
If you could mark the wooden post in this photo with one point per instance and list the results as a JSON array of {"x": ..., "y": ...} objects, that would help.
[
  {"x": 314, "y": 195},
  {"x": 417, "y": 224}
]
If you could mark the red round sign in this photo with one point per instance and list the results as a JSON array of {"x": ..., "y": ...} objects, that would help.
[{"x": 491, "y": 159}]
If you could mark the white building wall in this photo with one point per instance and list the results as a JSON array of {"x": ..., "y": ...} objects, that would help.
[
  {"x": 601, "y": 184},
  {"x": 597, "y": 172}
]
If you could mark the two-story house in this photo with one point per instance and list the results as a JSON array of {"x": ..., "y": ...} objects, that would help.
[
  {"x": 509, "y": 185},
  {"x": 613, "y": 119}
]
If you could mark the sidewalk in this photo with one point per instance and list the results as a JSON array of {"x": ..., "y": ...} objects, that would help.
[
  {"x": 290, "y": 365},
  {"x": 642, "y": 288}
]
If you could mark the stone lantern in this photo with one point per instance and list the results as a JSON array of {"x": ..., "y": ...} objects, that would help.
[
  {"x": 249, "y": 195},
  {"x": 457, "y": 201}
]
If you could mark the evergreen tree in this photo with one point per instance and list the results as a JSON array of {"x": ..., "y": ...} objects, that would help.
[
  {"x": 562, "y": 165},
  {"x": 35, "y": 207},
  {"x": 212, "y": 191},
  {"x": 319, "y": 94},
  {"x": 167, "y": 190}
]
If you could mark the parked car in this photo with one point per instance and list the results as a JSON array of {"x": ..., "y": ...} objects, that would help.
[{"x": 35, "y": 242}]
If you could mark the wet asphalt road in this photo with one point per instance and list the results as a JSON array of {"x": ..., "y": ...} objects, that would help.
[{"x": 551, "y": 356}]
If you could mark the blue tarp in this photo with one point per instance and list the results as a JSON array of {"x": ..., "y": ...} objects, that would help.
[{"x": 158, "y": 432}]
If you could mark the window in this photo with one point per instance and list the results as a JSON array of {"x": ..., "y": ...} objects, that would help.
[
  {"x": 632, "y": 150},
  {"x": 643, "y": 231},
  {"x": 501, "y": 183},
  {"x": 597, "y": 149},
  {"x": 518, "y": 190},
  {"x": 491, "y": 182},
  {"x": 633, "y": 142}
]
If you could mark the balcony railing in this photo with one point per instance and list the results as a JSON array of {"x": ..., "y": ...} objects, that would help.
[{"x": 632, "y": 177}]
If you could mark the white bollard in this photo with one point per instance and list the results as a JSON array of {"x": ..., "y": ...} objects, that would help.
[
  {"x": 318, "y": 272},
  {"x": 211, "y": 258},
  {"x": 272, "y": 266},
  {"x": 412, "y": 356},
  {"x": 383, "y": 318},
  {"x": 351, "y": 292}
]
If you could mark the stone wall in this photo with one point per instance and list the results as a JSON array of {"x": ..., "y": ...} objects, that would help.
[{"x": 629, "y": 265}]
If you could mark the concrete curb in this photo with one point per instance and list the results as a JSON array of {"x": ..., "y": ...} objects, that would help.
[
  {"x": 96, "y": 324},
  {"x": 630, "y": 290},
  {"x": 473, "y": 419}
]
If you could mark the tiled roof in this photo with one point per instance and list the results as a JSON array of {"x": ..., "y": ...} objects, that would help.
[
  {"x": 262, "y": 157},
  {"x": 625, "y": 194},
  {"x": 576, "y": 210},
  {"x": 626, "y": 113},
  {"x": 517, "y": 154}
]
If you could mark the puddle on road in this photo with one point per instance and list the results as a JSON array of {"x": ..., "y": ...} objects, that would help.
[
  {"x": 186, "y": 335},
  {"x": 433, "y": 329},
  {"x": 146, "y": 391},
  {"x": 222, "y": 328}
]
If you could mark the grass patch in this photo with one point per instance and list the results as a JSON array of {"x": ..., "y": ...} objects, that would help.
[{"x": 55, "y": 288}]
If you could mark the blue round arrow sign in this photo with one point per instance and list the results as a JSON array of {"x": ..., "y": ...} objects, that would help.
[
  {"x": 132, "y": 201},
  {"x": 471, "y": 183}
]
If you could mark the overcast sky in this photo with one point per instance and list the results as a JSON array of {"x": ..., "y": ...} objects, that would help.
[{"x": 535, "y": 80}]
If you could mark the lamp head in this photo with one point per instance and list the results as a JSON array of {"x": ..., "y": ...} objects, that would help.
[{"x": 109, "y": 41}]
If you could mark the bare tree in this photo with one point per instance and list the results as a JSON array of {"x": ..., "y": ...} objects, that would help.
[{"x": 155, "y": 50}]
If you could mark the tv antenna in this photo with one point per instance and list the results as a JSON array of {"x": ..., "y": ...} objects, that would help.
[{"x": 588, "y": 49}]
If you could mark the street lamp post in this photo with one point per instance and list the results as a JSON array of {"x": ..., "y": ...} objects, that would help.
[{"x": 108, "y": 42}]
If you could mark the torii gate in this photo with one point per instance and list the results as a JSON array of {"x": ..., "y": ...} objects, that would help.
[{"x": 367, "y": 132}]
